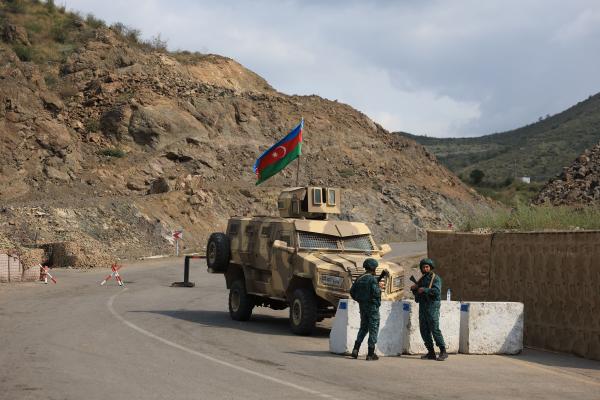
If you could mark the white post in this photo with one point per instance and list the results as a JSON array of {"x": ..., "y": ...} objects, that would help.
[{"x": 177, "y": 247}]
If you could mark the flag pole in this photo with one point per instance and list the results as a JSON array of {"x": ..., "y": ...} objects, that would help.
[
  {"x": 297, "y": 171},
  {"x": 298, "y": 163}
]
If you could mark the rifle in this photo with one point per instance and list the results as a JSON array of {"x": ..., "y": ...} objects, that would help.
[
  {"x": 383, "y": 274},
  {"x": 413, "y": 280}
]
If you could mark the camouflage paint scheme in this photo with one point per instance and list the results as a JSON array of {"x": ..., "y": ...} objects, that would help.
[{"x": 273, "y": 273}]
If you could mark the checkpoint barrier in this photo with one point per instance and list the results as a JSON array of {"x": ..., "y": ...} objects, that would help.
[
  {"x": 186, "y": 272},
  {"x": 449, "y": 325},
  {"x": 472, "y": 328},
  {"x": 491, "y": 328},
  {"x": 45, "y": 273},
  {"x": 347, "y": 323},
  {"x": 115, "y": 273}
]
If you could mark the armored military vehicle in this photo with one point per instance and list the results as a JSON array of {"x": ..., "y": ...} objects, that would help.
[{"x": 301, "y": 259}]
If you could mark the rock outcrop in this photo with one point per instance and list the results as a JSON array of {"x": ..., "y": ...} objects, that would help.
[{"x": 578, "y": 184}]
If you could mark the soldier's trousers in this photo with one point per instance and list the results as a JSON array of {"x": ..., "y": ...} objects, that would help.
[
  {"x": 429, "y": 324},
  {"x": 369, "y": 323}
]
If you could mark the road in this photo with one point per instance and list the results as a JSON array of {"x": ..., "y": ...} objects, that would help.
[{"x": 79, "y": 340}]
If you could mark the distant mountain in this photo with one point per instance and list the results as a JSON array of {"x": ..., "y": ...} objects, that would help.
[{"x": 538, "y": 150}]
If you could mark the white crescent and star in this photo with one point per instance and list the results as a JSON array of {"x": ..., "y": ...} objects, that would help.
[{"x": 276, "y": 152}]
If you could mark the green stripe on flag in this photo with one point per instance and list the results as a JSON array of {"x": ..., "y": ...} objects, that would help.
[{"x": 274, "y": 168}]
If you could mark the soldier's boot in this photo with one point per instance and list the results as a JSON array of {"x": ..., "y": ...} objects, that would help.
[
  {"x": 355, "y": 350},
  {"x": 371, "y": 356},
  {"x": 430, "y": 354},
  {"x": 443, "y": 355}
]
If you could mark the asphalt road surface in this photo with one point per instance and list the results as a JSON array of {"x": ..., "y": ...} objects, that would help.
[{"x": 79, "y": 340}]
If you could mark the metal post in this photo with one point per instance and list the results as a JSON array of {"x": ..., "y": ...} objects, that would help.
[
  {"x": 186, "y": 271},
  {"x": 177, "y": 248},
  {"x": 186, "y": 274}
]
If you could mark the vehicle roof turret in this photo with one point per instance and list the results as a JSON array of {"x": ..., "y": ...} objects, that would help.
[{"x": 309, "y": 202}]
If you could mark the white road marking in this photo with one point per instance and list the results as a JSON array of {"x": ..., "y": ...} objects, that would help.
[{"x": 109, "y": 304}]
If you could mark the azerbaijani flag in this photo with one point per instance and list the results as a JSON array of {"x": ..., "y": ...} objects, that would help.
[{"x": 278, "y": 156}]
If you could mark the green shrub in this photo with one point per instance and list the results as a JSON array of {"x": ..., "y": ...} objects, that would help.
[
  {"x": 157, "y": 43},
  {"x": 25, "y": 53},
  {"x": 16, "y": 6},
  {"x": 92, "y": 125},
  {"x": 33, "y": 26},
  {"x": 50, "y": 6},
  {"x": 112, "y": 152},
  {"x": 346, "y": 173},
  {"x": 51, "y": 80},
  {"x": 94, "y": 22}
]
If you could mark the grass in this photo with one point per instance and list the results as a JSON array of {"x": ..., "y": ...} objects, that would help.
[
  {"x": 92, "y": 125},
  {"x": 534, "y": 218},
  {"x": 513, "y": 195},
  {"x": 112, "y": 152},
  {"x": 24, "y": 53}
]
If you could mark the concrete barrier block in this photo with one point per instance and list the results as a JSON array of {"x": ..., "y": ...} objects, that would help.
[
  {"x": 491, "y": 328},
  {"x": 449, "y": 325},
  {"x": 347, "y": 323}
]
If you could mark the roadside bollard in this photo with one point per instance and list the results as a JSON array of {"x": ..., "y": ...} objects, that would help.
[
  {"x": 186, "y": 273},
  {"x": 115, "y": 273},
  {"x": 45, "y": 273}
]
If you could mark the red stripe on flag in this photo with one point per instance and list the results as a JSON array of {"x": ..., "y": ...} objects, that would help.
[{"x": 278, "y": 153}]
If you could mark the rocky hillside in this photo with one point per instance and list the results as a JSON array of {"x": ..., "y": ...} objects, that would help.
[
  {"x": 538, "y": 150},
  {"x": 108, "y": 144},
  {"x": 578, "y": 184}
]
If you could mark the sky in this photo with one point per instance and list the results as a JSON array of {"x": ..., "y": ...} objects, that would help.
[{"x": 443, "y": 68}]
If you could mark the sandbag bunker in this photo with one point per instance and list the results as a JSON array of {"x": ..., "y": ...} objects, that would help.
[{"x": 468, "y": 327}]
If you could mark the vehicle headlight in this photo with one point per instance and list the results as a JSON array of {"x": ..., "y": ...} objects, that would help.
[
  {"x": 331, "y": 280},
  {"x": 398, "y": 282}
]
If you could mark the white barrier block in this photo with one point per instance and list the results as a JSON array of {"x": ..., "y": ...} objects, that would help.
[
  {"x": 347, "y": 323},
  {"x": 449, "y": 325},
  {"x": 491, "y": 328}
]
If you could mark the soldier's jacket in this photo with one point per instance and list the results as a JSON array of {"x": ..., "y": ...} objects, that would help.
[
  {"x": 365, "y": 290},
  {"x": 430, "y": 294}
]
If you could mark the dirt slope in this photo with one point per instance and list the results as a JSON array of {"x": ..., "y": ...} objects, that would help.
[{"x": 128, "y": 144}]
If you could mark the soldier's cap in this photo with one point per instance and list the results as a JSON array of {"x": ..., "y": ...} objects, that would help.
[
  {"x": 370, "y": 264},
  {"x": 427, "y": 261}
]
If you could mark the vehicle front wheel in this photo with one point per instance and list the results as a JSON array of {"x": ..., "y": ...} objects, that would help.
[
  {"x": 303, "y": 311},
  {"x": 240, "y": 302}
]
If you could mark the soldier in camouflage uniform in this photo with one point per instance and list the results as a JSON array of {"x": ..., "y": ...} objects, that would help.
[
  {"x": 366, "y": 290},
  {"x": 427, "y": 293}
]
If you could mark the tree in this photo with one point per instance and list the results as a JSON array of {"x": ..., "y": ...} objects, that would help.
[{"x": 476, "y": 176}]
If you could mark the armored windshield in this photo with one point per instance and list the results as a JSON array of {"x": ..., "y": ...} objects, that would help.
[{"x": 319, "y": 241}]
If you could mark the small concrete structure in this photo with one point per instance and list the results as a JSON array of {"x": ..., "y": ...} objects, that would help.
[
  {"x": 449, "y": 325},
  {"x": 491, "y": 328},
  {"x": 347, "y": 323}
]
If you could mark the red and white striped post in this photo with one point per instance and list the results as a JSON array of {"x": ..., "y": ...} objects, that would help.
[
  {"x": 45, "y": 271},
  {"x": 115, "y": 272}
]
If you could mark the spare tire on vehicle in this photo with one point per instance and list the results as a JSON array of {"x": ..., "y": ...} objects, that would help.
[{"x": 218, "y": 252}]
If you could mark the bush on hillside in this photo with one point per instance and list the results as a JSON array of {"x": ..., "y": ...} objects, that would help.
[
  {"x": 112, "y": 152},
  {"x": 24, "y": 53}
]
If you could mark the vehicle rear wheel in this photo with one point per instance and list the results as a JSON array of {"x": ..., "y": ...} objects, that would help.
[
  {"x": 303, "y": 311},
  {"x": 240, "y": 302},
  {"x": 218, "y": 252}
]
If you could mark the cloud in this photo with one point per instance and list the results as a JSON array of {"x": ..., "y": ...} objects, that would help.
[{"x": 459, "y": 68}]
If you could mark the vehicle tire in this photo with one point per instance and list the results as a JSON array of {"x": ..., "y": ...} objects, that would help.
[
  {"x": 240, "y": 302},
  {"x": 218, "y": 252},
  {"x": 303, "y": 311}
]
